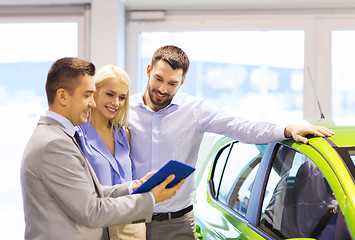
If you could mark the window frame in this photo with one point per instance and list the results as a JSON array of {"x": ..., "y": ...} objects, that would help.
[{"x": 215, "y": 192}]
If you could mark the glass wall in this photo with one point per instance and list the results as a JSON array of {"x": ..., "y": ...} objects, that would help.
[
  {"x": 256, "y": 62},
  {"x": 257, "y": 74},
  {"x": 27, "y": 52},
  {"x": 343, "y": 77}
]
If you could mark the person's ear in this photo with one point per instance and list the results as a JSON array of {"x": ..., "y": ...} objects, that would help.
[
  {"x": 183, "y": 80},
  {"x": 62, "y": 96},
  {"x": 149, "y": 70}
]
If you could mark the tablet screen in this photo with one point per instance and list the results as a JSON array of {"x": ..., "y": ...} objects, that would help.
[{"x": 180, "y": 169}]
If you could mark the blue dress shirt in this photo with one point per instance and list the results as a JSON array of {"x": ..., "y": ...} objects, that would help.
[
  {"x": 110, "y": 170},
  {"x": 176, "y": 132}
]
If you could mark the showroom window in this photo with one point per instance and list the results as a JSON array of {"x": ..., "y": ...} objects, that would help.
[
  {"x": 29, "y": 44},
  {"x": 253, "y": 73},
  {"x": 343, "y": 77},
  {"x": 285, "y": 68}
]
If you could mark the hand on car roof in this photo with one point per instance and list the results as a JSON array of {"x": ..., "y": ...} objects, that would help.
[{"x": 299, "y": 133}]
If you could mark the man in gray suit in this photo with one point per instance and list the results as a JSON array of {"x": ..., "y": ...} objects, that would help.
[{"x": 62, "y": 196}]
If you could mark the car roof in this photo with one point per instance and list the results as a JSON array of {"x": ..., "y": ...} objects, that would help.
[{"x": 344, "y": 136}]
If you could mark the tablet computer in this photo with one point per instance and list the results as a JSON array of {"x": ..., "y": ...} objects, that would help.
[{"x": 180, "y": 169}]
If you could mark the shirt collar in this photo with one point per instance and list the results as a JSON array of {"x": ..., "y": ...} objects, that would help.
[
  {"x": 63, "y": 120},
  {"x": 91, "y": 133}
]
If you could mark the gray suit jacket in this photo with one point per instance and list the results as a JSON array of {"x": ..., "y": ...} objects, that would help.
[{"x": 62, "y": 196}]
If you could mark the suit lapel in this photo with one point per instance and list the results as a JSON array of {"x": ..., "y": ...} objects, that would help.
[
  {"x": 92, "y": 172},
  {"x": 50, "y": 121}
]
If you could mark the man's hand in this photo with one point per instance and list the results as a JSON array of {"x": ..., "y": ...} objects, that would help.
[
  {"x": 161, "y": 193},
  {"x": 138, "y": 183},
  {"x": 299, "y": 133}
]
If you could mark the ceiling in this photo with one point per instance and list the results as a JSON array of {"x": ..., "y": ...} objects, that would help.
[
  {"x": 194, "y": 5},
  {"x": 235, "y": 4}
]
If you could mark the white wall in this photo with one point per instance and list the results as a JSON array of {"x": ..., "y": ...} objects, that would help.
[{"x": 107, "y": 32}]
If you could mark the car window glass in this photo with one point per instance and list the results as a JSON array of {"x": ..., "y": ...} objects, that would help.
[
  {"x": 238, "y": 198},
  {"x": 352, "y": 156},
  {"x": 238, "y": 176},
  {"x": 219, "y": 166},
  {"x": 297, "y": 199},
  {"x": 272, "y": 182}
]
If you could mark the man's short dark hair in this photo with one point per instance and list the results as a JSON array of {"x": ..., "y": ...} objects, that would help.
[
  {"x": 65, "y": 73},
  {"x": 174, "y": 56}
]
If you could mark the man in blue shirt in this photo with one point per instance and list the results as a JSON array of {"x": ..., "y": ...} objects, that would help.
[{"x": 166, "y": 124}]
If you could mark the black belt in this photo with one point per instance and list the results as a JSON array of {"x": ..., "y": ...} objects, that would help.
[{"x": 170, "y": 215}]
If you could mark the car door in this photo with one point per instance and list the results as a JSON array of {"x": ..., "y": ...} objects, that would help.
[
  {"x": 297, "y": 201},
  {"x": 230, "y": 185}
]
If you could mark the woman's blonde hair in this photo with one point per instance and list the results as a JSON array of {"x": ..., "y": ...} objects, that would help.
[{"x": 113, "y": 72}]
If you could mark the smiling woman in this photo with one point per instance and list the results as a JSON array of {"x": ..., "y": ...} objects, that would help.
[
  {"x": 105, "y": 138},
  {"x": 27, "y": 51}
]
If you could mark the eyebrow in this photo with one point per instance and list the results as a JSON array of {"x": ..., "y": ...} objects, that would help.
[
  {"x": 123, "y": 94},
  {"x": 160, "y": 77}
]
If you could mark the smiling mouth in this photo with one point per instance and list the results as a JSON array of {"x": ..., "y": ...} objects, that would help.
[
  {"x": 111, "y": 109},
  {"x": 160, "y": 95},
  {"x": 87, "y": 112}
]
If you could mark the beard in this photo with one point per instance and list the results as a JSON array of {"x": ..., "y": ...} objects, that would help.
[{"x": 161, "y": 103}]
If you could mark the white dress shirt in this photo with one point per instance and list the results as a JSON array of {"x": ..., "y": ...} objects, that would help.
[{"x": 176, "y": 132}]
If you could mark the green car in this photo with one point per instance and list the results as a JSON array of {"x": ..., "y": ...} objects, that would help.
[{"x": 282, "y": 190}]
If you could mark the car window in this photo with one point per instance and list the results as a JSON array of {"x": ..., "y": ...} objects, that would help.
[
  {"x": 240, "y": 168},
  {"x": 238, "y": 196},
  {"x": 298, "y": 201},
  {"x": 219, "y": 165}
]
